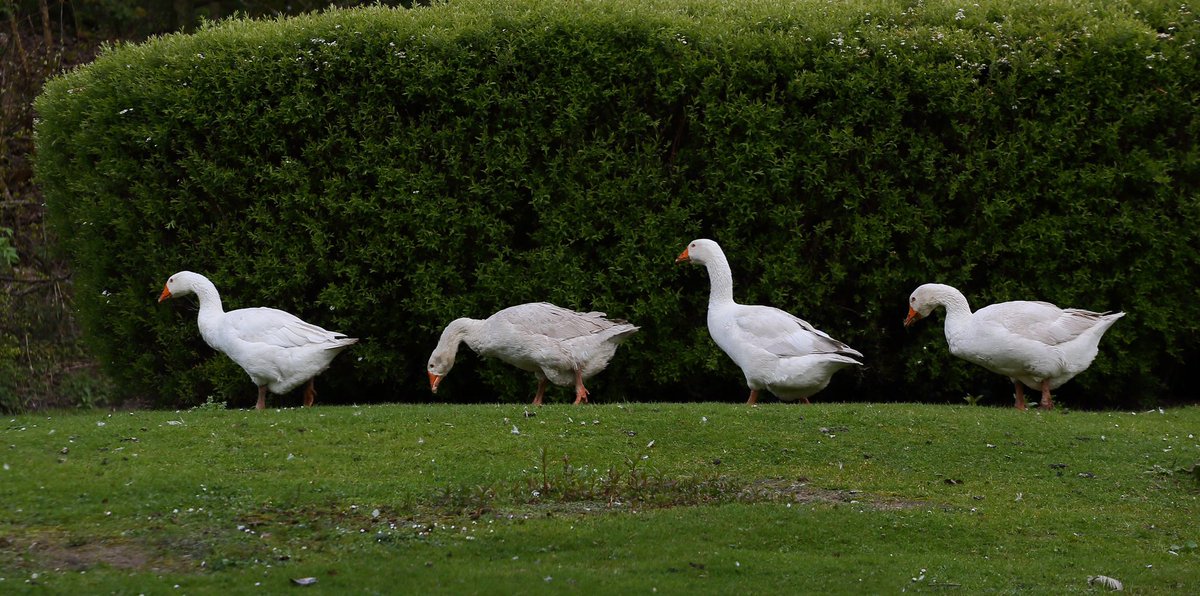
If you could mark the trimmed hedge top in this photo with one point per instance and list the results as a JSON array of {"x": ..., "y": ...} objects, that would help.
[{"x": 383, "y": 171}]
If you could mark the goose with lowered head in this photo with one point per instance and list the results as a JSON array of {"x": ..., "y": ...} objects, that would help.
[
  {"x": 554, "y": 343},
  {"x": 1034, "y": 344},
  {"x": 277, "y": 349},
  {"x": 775, "y": 350}
]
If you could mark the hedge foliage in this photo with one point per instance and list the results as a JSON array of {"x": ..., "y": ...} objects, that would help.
[{"x": 383, "y": 171}]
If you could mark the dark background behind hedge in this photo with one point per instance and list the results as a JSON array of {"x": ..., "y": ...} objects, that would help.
[{"x": 383, "y": 171}]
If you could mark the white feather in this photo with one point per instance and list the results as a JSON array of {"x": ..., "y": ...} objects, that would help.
[{"x": 1105, "y": 582}]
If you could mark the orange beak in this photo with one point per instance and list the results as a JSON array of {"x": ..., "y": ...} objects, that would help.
[
  {"x": 683, "y": 256},
  {"x": 912, "y": 317},
  {"x": 166, "y": 294},
  {"x": 434, "y": 380}
]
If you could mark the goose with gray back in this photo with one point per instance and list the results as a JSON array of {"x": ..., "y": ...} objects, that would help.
[{"x": 556, "y": 344}]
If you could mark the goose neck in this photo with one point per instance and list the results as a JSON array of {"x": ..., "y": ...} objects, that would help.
[
  {"x": 460, "y": 330},
  {"x": 720, "y": 280},
  {"x": 958, "y": 311},
  {"x": 210, "y": 299},
  {"x": 209, "y": 318}
]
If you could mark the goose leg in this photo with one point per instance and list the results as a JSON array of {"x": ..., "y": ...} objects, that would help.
[
  {"x": 262, "y": 398},
  {"x": 1046, "y": 403},
  {"x": 1020, "y": 395},
  {"x": 537, "y": 399},
  {"x": 310, "y": 392},
  {"x": 753, "y": 397},
  {"x": 580, "y": 392}
]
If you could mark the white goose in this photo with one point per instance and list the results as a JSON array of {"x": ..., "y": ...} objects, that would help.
[
  {"x": 278, "y": 350},
  {"x": 775, "y": 350},
  {"x": 552, "y": 342},
  {"x": 1032, "y": 343}
]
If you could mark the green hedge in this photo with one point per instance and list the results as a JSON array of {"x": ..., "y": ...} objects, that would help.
[{"x": 382, "y": 171}]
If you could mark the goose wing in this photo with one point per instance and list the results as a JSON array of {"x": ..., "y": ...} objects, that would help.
[
  {"x": 783, "y": 334},
  {"x": 277, "y": 328},
  {"x": 1043, "y": 322},
  {"x": 555, "y": 322}
]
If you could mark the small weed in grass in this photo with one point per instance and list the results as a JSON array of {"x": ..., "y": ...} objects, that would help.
[{"x": 210, "y": 404}]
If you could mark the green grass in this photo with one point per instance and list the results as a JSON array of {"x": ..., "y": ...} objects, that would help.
[{"x": 830, "y": 498}]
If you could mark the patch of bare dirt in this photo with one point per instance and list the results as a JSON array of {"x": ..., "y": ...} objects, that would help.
[
  {"x": 662, "y": 493},
  {"x": 50, "y": 551},
  {"x": 447, "y": 510},
  {"x": 799, "y": 491}
]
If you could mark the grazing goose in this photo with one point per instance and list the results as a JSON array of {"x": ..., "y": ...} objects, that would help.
[
  {"x": 554, "y": 343},
  {"x": 278, "y": 350},
  {"x": 775, "y": 350},
  {"x": 1032, "y": 343}
]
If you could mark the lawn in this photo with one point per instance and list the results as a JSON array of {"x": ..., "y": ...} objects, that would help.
[{"x": 614, "y": 498}]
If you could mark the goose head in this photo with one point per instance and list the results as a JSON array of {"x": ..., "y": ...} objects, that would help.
[
  {"x": 440, "y": 363},
  {"x": 922, "y": 302},
  {"x": 180, "y": 284},
  {"x": 700, "y": 251},
  {"x": 442, "y": 358}
]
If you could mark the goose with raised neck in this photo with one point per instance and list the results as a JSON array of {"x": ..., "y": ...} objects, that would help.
[
  {"x": 278, "y": 350},
  {"x": 776, "y": 351}
]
